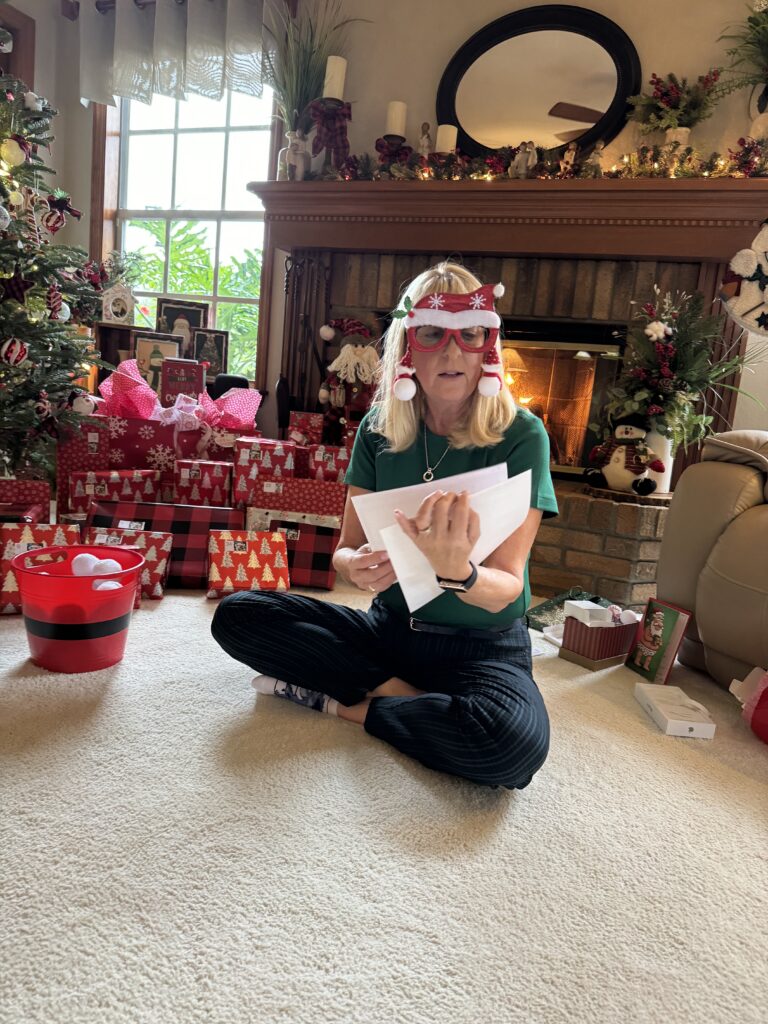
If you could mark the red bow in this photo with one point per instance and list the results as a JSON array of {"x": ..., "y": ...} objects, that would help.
[
  {"x": 389, "y": 156},
  {"x": 331, "y": 134},
  {"x": 61, "y": 202}
]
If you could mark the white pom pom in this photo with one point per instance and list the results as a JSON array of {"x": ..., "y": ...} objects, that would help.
[
  {"x": 498, "y": 290},
  {"x": 105, "y": 566},
  {"x": 324, "y": 395},
  {"x": 106, "y": 585},
  {"x": 404, "y": 389},
  {"x": 327, "y": 333},
  {"x": 82, "y": 564},
  {"x": 489, "y": 386},
  {"x": 744, "y": 262}
]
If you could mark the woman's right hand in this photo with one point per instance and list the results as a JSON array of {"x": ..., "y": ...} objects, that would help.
[{"x": 370, "y": 570}]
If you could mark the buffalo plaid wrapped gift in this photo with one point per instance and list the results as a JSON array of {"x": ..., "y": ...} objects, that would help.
[
  {"x": 189, "y": 525},
  {"x": 305, "y": 428},
  {"x": 200, "y": 482},
  {"x": 154, "y": 545},
  {"x": 246, "y": 560},
  {"x": 112, "y": 485},
  {"x": 15, "y": 539},
  {"x": 315, "y": 496},
  {"x": 327, "y": 462},
  {"x": 311, "y": 541}
]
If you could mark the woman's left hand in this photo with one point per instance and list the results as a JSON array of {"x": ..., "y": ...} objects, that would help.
[{"x": 445, "y": 529}]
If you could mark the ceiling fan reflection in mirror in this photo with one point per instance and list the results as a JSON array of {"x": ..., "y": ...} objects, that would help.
[{"x": 574, "y": 112}]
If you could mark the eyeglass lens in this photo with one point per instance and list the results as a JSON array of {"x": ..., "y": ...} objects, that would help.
[{"x": 472, "y": 337}]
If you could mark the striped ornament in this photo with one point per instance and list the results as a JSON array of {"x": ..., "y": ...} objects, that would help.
[{"x": 13, "y": 352}]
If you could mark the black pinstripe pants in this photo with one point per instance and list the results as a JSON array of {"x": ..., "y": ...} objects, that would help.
[{"x": 482, "y": 716}]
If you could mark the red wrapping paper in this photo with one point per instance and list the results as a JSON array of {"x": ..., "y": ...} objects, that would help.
[
  {"x": 23, "y": 512},
  {"x": 31, "y": 492},
  {"x": 327, "y": 462},
  {"x": 305, "y": 428},
  {"x": 260, "y": 459},
  {"x": 314, "y": 496},
  {"x": 201, "y": 482},
  {"x": 113, "y": 485},
  {"x": 246, "y": 560},
  {"x": 597, "y": 642},
  {"x": 154, "y": 545},
  {"x": 15, "y": 539}
]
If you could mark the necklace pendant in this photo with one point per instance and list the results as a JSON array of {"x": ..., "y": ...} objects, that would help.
[{"x": 428, "y": 476}]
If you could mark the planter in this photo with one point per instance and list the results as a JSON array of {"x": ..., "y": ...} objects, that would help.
[
  {"x": 297, "y": 158},
  {"x": 662, "y": 446},
  {"x": 677, "y": 135}
]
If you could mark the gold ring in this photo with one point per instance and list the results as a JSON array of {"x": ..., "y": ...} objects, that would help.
[
  {"x": 372, "y": 589},
  {"x": 426, "y": 529}
]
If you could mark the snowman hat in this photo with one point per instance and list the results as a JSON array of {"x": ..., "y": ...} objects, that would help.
[{"x": 455, "y": 310}]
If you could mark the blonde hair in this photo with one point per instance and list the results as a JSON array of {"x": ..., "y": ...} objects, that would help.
[{"x": 485, "y": 419}]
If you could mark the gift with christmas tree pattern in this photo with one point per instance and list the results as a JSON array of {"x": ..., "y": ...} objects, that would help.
[
  {"x": 328, "y": 462},
  {"x": 154, "y": 545},
  {"x": 16, "y": 539},
  {"x": 258, "y": 458},
  {"x": 202, "y": 482},
  {"x": 246, "y": 560},
  {"x": 112, "y": 485}
]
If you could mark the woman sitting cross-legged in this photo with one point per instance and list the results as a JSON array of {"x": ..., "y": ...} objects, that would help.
[{"x": 451, "y": 686}]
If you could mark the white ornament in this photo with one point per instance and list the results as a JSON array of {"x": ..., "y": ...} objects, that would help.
[
  {"x": 64, "y": 313},
  {"x": 5, "y": 218},
  {"x": 33, "y": 102}
]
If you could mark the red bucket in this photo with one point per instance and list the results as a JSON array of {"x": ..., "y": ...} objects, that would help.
[{"x": 70, "y": 626}]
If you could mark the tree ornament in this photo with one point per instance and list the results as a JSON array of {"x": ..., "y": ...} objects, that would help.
[
  {"x": 33, "y": 102},
  {"x": 5, "y": 219},
  {"x": 15, "y": 287},
  {"x": 13, "y": 352},
  {"x": 15, "y": 198},
  {"x": 54, "y": 302},
  {"x": 14, "y": 150},
  {"x": 64, "y": 312}
]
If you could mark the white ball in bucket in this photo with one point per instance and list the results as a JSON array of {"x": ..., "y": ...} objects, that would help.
[
  {"x": 104, "y": 566},
  {"x": 106, "y": 584},
  {"x": 83, "y": 564}
]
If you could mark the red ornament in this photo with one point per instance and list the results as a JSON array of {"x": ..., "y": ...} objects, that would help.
[{"x": 13, "y": 352}]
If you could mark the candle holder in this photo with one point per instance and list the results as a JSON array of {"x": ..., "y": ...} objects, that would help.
[{"x": 392, "y": 148}]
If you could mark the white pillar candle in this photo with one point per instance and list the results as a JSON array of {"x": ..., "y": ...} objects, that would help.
[
  {"x": 395, "y": 118},
  {"x": 335, "y": 72},
  {"x": 446, "y": 138}
]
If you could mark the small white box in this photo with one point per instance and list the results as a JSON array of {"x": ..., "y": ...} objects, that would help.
[
  {"x": 674, "y": 712},
  {"x": 587, "y": 612}
]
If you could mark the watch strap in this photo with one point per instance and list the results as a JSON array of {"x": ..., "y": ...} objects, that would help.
[{"x": 459, "y": 585}]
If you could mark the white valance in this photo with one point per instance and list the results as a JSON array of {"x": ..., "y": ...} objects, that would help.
[{"x": 169, "y": 48}]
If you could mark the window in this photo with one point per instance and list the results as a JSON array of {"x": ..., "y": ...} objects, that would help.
[{"x": 184, "y": 166}]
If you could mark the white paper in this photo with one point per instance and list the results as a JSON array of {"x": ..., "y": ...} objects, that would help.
[
  {"x": 501, "y": 509},
  {"x": 376, "y": 510}
]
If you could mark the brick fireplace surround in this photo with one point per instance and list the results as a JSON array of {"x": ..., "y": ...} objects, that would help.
[{"x": 576, "y": 251}]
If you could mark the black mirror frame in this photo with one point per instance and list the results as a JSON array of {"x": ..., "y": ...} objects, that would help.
[{"x": 549, "y": 17}]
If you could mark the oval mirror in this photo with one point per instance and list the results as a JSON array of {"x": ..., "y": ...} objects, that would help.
[{"x": 551, "y": 74}]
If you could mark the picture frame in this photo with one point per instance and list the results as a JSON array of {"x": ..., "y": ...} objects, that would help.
[
  {"x": 117, "y": 305},
  {"x": 181, "y": 317},
  {"x": 144, "y": 345},
  {"x": 211, "y": 346},
  {"x": 659, "y": 636}
]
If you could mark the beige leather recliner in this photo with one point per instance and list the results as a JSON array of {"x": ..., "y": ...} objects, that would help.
[{"x": 714, "y": 555}]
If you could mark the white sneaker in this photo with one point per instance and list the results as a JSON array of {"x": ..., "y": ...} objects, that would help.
[{"x": 298, "y": 694}]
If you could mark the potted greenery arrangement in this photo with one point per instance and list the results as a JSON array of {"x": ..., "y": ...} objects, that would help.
[
  {"x": 676, "y": 105},
  {"x": 667, "y": 373},
  {"x": 749, "y": 56},
  {"x": 296, "y": 50}
]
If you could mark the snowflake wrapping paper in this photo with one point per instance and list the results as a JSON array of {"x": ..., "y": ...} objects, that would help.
[
  {"x": 14, "y": 540},
  {"x": 327, "y": 462},
  {"x": 314, "y": 496},
  {"x": 154, "y": 545},
  {"x": 305, "y": 428},
  {"x": 246, "y": 560},
  {"x": 189, "y": 525},
  {"x": 28, "y": 492},
  {"x": 202, "y": 482},
  {"x": 113, "y": 442},
  {"x": 112, "y": 485}
]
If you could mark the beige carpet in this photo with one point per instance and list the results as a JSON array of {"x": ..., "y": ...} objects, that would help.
[{"x": 175, "y": 849}]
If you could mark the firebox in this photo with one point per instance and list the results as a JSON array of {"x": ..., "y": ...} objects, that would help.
[{"x": 561, "y": 373}]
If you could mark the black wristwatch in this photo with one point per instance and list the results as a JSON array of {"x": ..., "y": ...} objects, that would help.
[{"x": 461, "y": 586}]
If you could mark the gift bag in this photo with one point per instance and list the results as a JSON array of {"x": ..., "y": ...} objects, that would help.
[
  {"x": 154, "y": 545},
  {"x": 189, "y": 525},
  {"x": 246, "y": 560},
  {"x": 112, "y": 485},
  {"x": 15, "y": 540},
  {"x": 201, "y": 482}
]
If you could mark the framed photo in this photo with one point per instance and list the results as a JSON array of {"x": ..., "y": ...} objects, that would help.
[
  {"x": 117, "y": 305},
  {"x": 659, "y": 636},
  {"x": 211, "y": 347},
  {"x": 180, "y": 317},
  {"x": 150, "y": 349}
]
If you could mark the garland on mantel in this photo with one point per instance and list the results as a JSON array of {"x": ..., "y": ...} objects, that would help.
[{"x": 669, "y": 160}]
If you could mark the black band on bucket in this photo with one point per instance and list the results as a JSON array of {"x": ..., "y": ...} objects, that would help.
[{"x": 76, "y": 630}]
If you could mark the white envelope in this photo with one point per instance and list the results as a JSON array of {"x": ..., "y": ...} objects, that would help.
[{"x": 501, "y": 508}]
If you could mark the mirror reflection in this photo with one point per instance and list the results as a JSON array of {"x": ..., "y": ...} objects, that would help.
[{"x": 549, "y": 87}]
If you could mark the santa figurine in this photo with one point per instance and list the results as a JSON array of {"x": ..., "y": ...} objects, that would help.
[{"x": 350, "y": 384}]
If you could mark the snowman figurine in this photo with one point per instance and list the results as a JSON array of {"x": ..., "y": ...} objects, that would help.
[
  {"x": 622, "y": 462},
  {"x": 743, "y": 287}
]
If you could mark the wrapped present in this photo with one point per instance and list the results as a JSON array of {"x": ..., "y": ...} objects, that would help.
[
  {"x": 246, "y": 560},
  {"x": 23, "y": 512},
  {"x": 596, "y": 645},
  {"x": 189, "y": 525},
  {"x": 260, "y": 459},
  {"x": 112, "y": 485},
  {"x": 201, "y": 482},
  {"x": 305, "y": 428},
  {"x": 16, "y": 539},
  {"x": 154, "y": 545},
  {"x": 328, "y": 462},
  {"x": 315, "y": 496},
  {"x": 301, "y": 462},
  {"x": 311, "y": 541},
  {"x": 28, "y": 492},
  {"x": 180, "y": 377}
]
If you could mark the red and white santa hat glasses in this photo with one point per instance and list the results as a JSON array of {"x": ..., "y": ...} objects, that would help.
[{"x": 453, "y": 310}]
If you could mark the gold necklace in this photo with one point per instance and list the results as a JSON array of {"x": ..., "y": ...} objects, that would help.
[{"x": 430, "y": 473}]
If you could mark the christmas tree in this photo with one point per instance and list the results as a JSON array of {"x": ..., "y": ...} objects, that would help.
[{"x": 45, "y": 291}]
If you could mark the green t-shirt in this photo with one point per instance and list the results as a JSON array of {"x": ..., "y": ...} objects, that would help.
[{"x": 525, "y": 446}]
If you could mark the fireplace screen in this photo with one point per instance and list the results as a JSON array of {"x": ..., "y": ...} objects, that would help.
[{"x": 564, "y": 384}]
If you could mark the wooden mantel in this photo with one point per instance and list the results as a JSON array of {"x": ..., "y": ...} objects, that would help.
[{"x": 688, "y": 219}]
